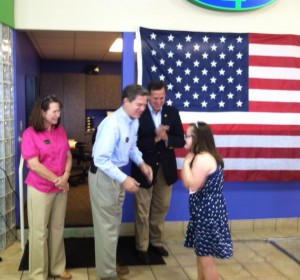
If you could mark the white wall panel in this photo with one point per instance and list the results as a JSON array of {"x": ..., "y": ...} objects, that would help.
[{"x": 116, "y": 15}]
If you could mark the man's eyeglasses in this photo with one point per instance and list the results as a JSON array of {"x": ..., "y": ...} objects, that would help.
[{"x": 48, "y": 98}]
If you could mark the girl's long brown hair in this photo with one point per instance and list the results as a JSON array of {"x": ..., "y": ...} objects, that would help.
[{"x": 203, "y": 141}]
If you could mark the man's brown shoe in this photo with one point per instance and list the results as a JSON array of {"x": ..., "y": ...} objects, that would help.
[
  {"x": 122, "y": 270},
  {"x": 65, "y": 275}
]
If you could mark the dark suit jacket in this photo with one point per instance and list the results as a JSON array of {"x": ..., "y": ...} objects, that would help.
[{"x": 157, "y": 153}]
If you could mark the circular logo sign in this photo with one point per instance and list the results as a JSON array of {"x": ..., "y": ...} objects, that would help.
[{"x": 233, "y": 5}]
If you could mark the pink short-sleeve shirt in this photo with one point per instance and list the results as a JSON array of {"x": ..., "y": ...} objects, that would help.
[{"x": 51, "y": 149}]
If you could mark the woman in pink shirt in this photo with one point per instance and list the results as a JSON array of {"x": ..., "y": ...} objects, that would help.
[{"x": 47, "y": 153}]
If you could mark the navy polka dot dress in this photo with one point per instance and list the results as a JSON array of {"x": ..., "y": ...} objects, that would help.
[{"x": 208, "y": 230}]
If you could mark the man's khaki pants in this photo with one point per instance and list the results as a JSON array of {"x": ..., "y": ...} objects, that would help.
[
  {"x": 151, "y": 208},
  {"x": 107, "y": 197},
  {"x": 46, "y": 255}
]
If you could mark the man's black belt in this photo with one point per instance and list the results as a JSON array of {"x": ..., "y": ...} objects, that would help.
[{"x": 93, "y": 167}]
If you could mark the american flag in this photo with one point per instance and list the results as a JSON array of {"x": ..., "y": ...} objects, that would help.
[{"x": 245, "y": 86}]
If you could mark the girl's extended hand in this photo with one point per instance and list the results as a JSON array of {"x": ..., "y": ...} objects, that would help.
[{"x": 188, "y": 158}]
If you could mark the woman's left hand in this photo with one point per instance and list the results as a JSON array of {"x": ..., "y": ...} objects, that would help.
[{"x": 66, "y": 187}]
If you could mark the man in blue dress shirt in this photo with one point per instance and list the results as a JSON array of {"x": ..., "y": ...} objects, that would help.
[{"x": 114, "y": 145}]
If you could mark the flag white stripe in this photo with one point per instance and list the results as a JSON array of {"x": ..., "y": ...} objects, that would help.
[
  {"x": 274, "y": 50},
  {"x": 282, "y": 73},
  {"x": 256, "y": 164},
  {"x": 241, "y": 118},
  {"x": 274, "y": 95},
  {"x": 261, "y": 141}
]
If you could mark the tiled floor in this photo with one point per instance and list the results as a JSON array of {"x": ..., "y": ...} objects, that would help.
[{"x": 254, "y": 258}]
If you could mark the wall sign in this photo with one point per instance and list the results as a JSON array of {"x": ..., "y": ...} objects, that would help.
[{"x": 233, "y": 5}]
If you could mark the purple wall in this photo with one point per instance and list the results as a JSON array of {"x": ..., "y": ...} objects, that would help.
[
  {"x": 26, "y": 62},
  {"x": 251, "y": 200}
]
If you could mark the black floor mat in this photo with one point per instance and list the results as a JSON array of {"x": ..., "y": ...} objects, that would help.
[{"x": 80, "y": 252}]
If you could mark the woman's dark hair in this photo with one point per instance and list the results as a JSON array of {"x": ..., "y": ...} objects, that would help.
[
  {"x": 42, "y": 104},
  {"x": 132, "y": 91},
  {"x": 203, "y": 141}
]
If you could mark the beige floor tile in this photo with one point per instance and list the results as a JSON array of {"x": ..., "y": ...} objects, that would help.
[
  {"x": 275, "y": 256},
  {"x": 264, "y": 224},
  {"x": 173, "y": 231},
  {"x": 290, "y": 245},
  {"x": 240, "y": 278},
  {"x": 91, "y": 271},
  {"x": 244, "y": 235},
  {"x": 10, "y": 276},
  {"x": 25, "y": 276},
  {"x": 170, "y": 261},
  {"x": 234, "y": 237},
  {"x": 293, "y": 278},
  {"x": 272, "y": 278},
  {"x": 13, "y": 252},
  {"x": 178, "y": 238},
  {"x": 267, "y": 234},
  {"x": 262, "y": 269},
  {"x": 289, "y": 233},
  {"x": 232, "y": 271},
  {"x": 248, "y": 256},
  {"x": 178, "y": 248},
  {"x": 260, "y": 246},
  {"x": 240, "y": 246},
  {"x": 242, "y": 225},
  {"x": 226, "y": 261},
  {"x": 9, "y": 266},
  {"x": 140, "y": 273},
  {"x": 79, "y": 273},
  {"x": 185, "y": 259},
  {"x": 288, "y": 268},
  {"x": 267, "y": 252},
  {"x": 191, "y": 272},
  {"x": 174, "y": 273},
  {"x": 287, "y": 224},
  {"x": 185, "y": 225}
]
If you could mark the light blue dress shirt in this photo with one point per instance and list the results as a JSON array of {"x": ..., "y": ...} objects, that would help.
[
  {"x": 115, "y": 144},
  {"x": 155, "y": 116}
]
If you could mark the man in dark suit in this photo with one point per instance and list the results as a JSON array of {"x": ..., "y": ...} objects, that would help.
[{"x": 160, "y": 131}]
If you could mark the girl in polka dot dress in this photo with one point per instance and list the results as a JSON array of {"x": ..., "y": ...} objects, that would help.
[{"x": 202, "y": 174}]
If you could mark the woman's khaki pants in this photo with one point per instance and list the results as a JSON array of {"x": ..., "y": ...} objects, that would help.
[{"x": 46, "y": 218}]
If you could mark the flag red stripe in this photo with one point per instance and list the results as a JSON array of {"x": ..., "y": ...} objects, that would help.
[
  {"x": 259, "y": 152},
  {"x": 274, "y": 39},
  {"x": 258, "y": 175},
  {"x": 251, "y": 152},
  {"x": 279, "y": 107},
  {"x": 253, "y": 129},
  {"x": 270, "y": 61},
  {"x": 261, "y": 175},
  {"x": 255, "y": 83}
]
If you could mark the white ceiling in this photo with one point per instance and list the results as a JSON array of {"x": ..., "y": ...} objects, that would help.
[{"x": 75, "y": 46}]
